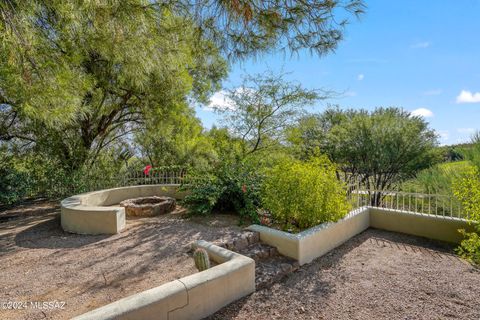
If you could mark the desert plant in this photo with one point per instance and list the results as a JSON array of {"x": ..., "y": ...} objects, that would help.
[
  {"x": 202, "y": 261},
  {"x": 303, "y": 194},
  {"x": 470, "y": 246},
  {"x": 382, "y": 147},
  {"x": 229, "y": 187},
  {"x": 467, "y": 191},
  {"x": 472, "y": 152}
]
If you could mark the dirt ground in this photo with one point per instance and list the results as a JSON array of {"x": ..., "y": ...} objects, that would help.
[
  {"x": 41, "y": 263},
  {"x": 376, "y": 275}
]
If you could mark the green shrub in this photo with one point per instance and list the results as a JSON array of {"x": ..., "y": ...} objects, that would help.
[
  {"x": 437, "y": 179},
  {"x": 304, "y": 194},
  {"x": 467, "y": 191},
  {"x": 470, "y": 246},
  {"x": 229, "y": 187},
  {"x": 13, "y": 185}
]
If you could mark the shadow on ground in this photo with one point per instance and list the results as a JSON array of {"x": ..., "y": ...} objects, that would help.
[
  {"x": 49, "y": 234},
  {"x": 319, "y": 285}
]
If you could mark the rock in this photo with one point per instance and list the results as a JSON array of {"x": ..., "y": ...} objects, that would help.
[
  {"x": 148, "y": 206},
  {"x": 254, "y": 237},
  {"x": 230, "y": 245},
  {"x": 273, "y": 252},
  {"x": 240, "y": 243},
  {"x": 285, "y": 267}
]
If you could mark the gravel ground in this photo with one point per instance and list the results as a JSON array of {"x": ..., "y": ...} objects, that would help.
[
  {"x": 375, "y": 275},
  {"x": 40, "y": 262}
]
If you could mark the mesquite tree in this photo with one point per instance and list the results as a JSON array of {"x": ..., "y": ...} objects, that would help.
[
  {"x": 376, "y": 149},
  {"x": 261, "y": 108}
]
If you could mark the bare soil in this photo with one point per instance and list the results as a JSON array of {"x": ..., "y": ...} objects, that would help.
[
  {"x": 375, "y": 275},
  {"x": 40, "y": 262}
]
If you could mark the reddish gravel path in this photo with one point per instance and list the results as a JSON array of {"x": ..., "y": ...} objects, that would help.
[
  {"x": 40, "y": 262},
  {"x": 376, "y": 275}
]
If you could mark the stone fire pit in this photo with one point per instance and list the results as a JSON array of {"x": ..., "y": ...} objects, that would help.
[{"x": 148, "y": 206}]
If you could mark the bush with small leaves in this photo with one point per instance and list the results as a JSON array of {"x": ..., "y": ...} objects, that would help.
[
  {"x": 467, "y": 191},
  {"x": 229, "y": 187},
  {"x": 300, "y": 195}
]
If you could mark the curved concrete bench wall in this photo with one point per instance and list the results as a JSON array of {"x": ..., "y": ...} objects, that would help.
[{"x": 95, "y": 213}]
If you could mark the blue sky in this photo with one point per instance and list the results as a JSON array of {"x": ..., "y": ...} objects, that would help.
[{"x": 419, "y": 55}]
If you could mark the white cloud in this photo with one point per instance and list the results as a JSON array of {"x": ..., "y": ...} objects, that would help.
[
  {"x": 444, "y": 136},
  {"x": 466, "y": 130},
  {"x": 468, "y": 97},
  {"x": 422, "y": 112},
  {"x": 421, "y": 45},
  {"x": 360, "y": 77},
  {"x": 219, "y": 101},
  {"x": 433, "y": 92}
]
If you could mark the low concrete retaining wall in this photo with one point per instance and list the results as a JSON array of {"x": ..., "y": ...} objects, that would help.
[
  {"x": 315, "y": 242},
  {"x": 192, "y": 297},
  {"x": 417, "y": 224},
  {"x": 93, "y": 213}
]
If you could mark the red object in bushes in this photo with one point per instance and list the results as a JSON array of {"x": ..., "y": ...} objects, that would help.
[
  {"x": 244, "y": 188},
  {"x": 264, "y": 221},
  {"x": 147, "y": 169}
]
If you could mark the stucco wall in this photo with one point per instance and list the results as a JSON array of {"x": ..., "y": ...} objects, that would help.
[
  {"x": 423, "y": 225},
  {"x": 286, "y": 243},
  {"x": 317, "y": 241},
  {"x": 93, "y": 213},
  {"x": 314, "y": 242},
  {"x": 193, "y": 297},
  {"x": 113, "y": 196}
]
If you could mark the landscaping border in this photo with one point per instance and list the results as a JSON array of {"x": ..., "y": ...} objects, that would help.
[
  {"x": 315, "y": 242},
  {"x": 94, "y": 213},
  {"x": 193, "y": 297},
  {"x": 442, "y": 228}
]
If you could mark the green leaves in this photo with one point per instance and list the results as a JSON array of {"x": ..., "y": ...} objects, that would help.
[
  {"x": 470, "y": 247},
  {"x": 83, "y": 76},
  {"x": 467, "y": 190},
  {"x": 382, "y": 147},
  {"x": 300, "y": 195},
  {"x": 56, "y": 53},
  {"x": 175, "y": 139},
  {"x": 263, "y": 106},
  {"x": 228, "y": 187},
  {"x": 255, "y": 27}
]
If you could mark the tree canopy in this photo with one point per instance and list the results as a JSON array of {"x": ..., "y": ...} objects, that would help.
[
  {"x": 263, "y": 106},
  {"x": 378, "y": 148},
  {"x": 55, "y": 53},
  {"x": 177, "y": 139},
  {"x": 77, "y": 78}
]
